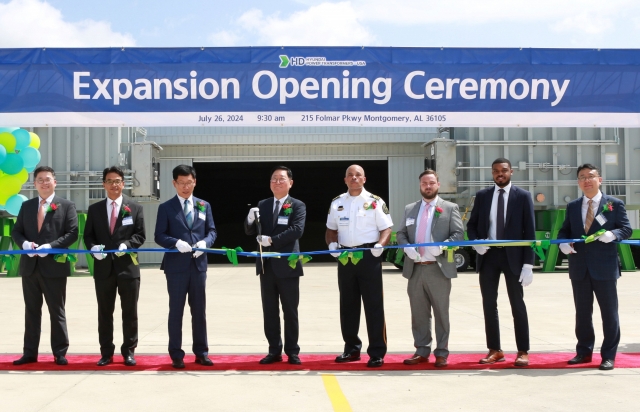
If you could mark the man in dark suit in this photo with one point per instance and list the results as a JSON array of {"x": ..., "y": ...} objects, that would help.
[
  {"x": 116, "y": 222},
  {"x": 183, "y": 222},
  {"x": 594, "y": 267},
  {"x": 45, "y": 222},
  {"x": 504, "y": 211},
  {"x": 282, "y": 221}
]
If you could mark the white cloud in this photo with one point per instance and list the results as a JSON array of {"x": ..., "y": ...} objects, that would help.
[{"x": 35, "y": 23}]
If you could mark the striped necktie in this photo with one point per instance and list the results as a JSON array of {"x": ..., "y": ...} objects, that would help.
[
  {"x": 188, "y": 214},
  {"x": 589, "y": 219}
]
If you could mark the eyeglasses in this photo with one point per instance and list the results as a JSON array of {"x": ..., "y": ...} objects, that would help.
[
  {"x": 113, "y": 181},
  {"x": 583, "y": 179},
  {"x": 281, "y": 180},
  {"x": 185, "y": 184},
  {"x": 43, "y": 181}
]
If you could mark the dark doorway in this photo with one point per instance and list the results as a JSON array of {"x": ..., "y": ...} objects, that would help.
[{"x": 231, "y": 187}]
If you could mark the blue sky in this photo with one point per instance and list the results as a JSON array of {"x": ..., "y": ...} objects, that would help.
[{"x": 428, "y": 23}]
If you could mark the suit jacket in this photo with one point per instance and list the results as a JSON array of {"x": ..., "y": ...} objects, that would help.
[
  {"x": 447, "y": 226},
  {"x": 284, "y": 237},
  {"x": 599, "y": 259},
  {"x": 96, "y": 232},
  {"x": 519, "y": 225},
  {"x": 171, "y": 226},
  {"x": 59, "y": 229}
]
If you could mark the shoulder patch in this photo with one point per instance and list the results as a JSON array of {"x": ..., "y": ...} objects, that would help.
[
  {"x": 385, "y": 209},
  {"x": 336, "y": 198},
  {"x": 375, "y": 196}
]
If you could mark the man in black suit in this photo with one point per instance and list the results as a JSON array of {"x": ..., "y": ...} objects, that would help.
[
  {"x": 282, "y": 221},
  {"x": 116, "y": 222},
  {"x": 45, "y": 222},
  {"x": 596, "y": 268},
  {"x": 504, "y": 211},
  {"x": 185, "y": 222}
]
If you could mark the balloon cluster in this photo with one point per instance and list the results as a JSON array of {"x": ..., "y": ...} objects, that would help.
[{"x": 19, "y": 155}]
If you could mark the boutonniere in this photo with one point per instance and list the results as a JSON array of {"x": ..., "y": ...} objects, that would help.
[
  {"x": 53, "y": 207},
  {"x": 371, "y": 206},
  {"x": 438, "y": 211},
  {"x": 287, "y": 208},
  {"x": 607, "y": 208},
  {"x": 126, "y": 211},
  {"x": 201, "y": 206}
]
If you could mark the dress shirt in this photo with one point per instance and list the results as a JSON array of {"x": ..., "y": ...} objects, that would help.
[
  {"x": 281, "y": 200},
  {"x": 48, "y": 200},
  {"x": 190, "y": 208},
  {"x": 427, "y": 256},
  {"x": 110, "y": 205},
  {"x": 493, "y": 214},
  {"x": 585, "y": 206}
]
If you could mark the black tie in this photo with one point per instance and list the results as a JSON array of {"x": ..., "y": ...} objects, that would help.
[
  {"x": 275, "y": 213},
  {"x": 500, "y": 217}
]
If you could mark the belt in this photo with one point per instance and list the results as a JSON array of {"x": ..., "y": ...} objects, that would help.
[
  {"x": 428, "y": 262},
  {"x": 362, "y": 246}
]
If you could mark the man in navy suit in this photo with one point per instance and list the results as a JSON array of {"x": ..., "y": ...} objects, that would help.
[
  {"x": 185, "y": 222},
  {"x": 504, "y": 211},
  {"x": 596, "y": 268},
  {"x": 282, "y": 222}
]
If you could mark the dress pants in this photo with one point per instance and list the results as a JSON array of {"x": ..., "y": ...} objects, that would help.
[
  {"x": 287, "y": 292},
  {"x": 356, "y": 282},
  {"x": 429, "y": 288},
  {"x": 495, "y": 262},
  {"x": 129, "y": 290},
  {"x": 54, "y": 290},
  {"x": 607, "y": 295},
  {"x": 191, "y": 283}
]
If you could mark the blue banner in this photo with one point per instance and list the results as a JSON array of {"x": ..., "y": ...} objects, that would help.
[{"x": 297, "y": 86}]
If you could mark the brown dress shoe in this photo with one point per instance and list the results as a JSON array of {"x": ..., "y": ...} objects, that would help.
[
  {"x": 441, "y": 361},
  {"x": 522, "y": 359},
  {"x": 492, "y": 357},
  {"x": 416, "y": 359}
]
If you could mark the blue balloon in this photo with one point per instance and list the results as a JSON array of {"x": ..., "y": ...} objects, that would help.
[
  {"x": 30, "y": 169},
  {"x": 2, "y": 207},
  {"x": 30, "y": 157},
  {"x": 14, "y": 203},
  {"x": 3, "y": 154},
  {"x": 8, "y": 129},
  {"x": 12, "y": 164},
  {"x": 23, "y": 138}
]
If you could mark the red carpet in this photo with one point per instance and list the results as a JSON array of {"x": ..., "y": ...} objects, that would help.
[{"x": 313, "y": 362}]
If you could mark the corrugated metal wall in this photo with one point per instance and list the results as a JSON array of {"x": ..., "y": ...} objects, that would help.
[{"x": 404, "y": 187}]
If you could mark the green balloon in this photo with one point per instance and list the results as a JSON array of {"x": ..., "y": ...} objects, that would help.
[{"x": 8, "y": 140}]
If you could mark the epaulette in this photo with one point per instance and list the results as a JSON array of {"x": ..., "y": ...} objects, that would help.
[
  {"x": 375, "y": 197},
  {"x": 336, "y": 198}
]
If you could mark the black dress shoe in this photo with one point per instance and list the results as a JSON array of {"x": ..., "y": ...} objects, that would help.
[
  {"x": 61, "y": 360},
  {"x": 25, "y": 359},
  {"x": 105, "y": 360},
  {"x": 294, "y": 360},
  {"x": 130, "y": 361},
  {"x": 177, "y": 363},
  {"x": 578, "y": 359},
  {"x": 375, "y": 363},
  {"x": 348, "y": 357},
  {"x": 607, "y": 364},
  {"x": 270, "y": 358},
  {"x": 204, "y": 361}
]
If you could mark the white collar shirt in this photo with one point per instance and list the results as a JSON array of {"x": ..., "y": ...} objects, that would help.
[
  {"x": 281, "y": 200},
  {"x": 426, "y": 256},
  {"x": 110, "y": 206},
  {"x": 182, "y": 200},
  {"x": 493, "y": 214},
  {"x": 47, "y": 200},
  {"x": 594, "y": 206}
]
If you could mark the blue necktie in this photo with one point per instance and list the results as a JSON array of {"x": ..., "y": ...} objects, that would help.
[{"x": 188, "y": 213}]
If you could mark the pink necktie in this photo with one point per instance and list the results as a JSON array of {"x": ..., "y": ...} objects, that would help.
[
  {"x": 41, "y": 214},
  {"x": 422, "y": 234},
  {"x": 114, "y": 216}
]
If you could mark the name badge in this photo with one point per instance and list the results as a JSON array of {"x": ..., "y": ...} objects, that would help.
[
  {"x": 201, "y": 215},
  {"x": 283, "y": 220},
  {"x": 410, "y": 221},
  {"x": 344, "y": 221},
  {"x": 340, "y": 208},
  {"x": 601, "y": 219},
  {"x": 127, "y": 221}
]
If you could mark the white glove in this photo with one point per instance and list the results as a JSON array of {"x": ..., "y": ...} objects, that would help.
[
  {"x": 98, "y": 248},
  {"x": 26, "y": 245},
  {"x": 377, "y": 250},
  {"x": 526, "y": 276},
  {"x": 47, "y": 246},
  {"x": 334, "y": 246},
  {"x": 251, "y": 217},
  {"x": 434, "y": 250},
  {"x": 200, "y": 245},
  {"x": 264, "y": 240},
  {"x": 411, "y": 253},
  {"x": 121, "y": 247},
  {"x": 566, "y": 248},
  {"x": 607, "y": 237},
  {"x": 481, "y": 250},
  {"x": 183, "y": 246}
]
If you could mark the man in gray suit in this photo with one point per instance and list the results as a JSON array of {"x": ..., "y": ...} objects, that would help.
[{"x": 430, "y": 219}]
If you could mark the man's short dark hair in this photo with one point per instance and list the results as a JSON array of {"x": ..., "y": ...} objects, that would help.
[
  {"x": 429, "y": 172},
  {"x": 502, "y": 160},
  {"x": 184, "y": 170},
  {"x": 44, "y": 169},
  {"x": 285, "y": 168},
  {"x": 588, "y": 166},
  {"x": 112, "y": 169}
]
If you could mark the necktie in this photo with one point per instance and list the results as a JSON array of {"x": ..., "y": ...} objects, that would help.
[
  {"x": 188, "y": 214},
  {"x": 500, "y": 217},
  {"x": 41, "y": 213},
  {"x": 114, "y": 217},
  {"x": 589, "y": 219},
  {"x": 422, "y": 234},
  {"x": 276, "y": 209}
]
